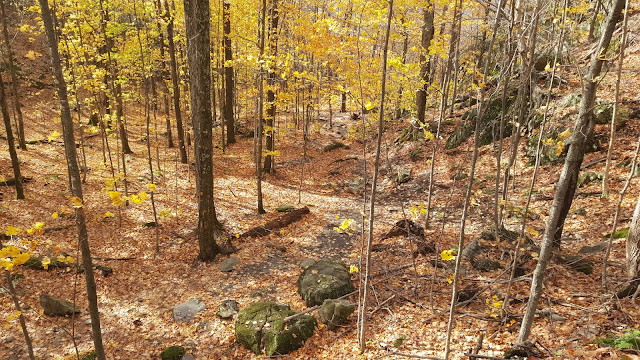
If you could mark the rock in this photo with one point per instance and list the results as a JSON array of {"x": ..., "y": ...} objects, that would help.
[
  {"x": 89, "y": 356},
  {"x": 335, "y": 312},
  {"x": 485, "y": 265},
  {"x": 472, "y": 250},
  {"x": 188, "y": 357},
  {"x": 577, "y": 263},
  {"x": 187, "y": 310},
  {"x": 306, "y": 263},
  {"x": 588, "y": 177},
  {"x": 263, "y": 323},
  {"x": 603, "y": 112},
  {"x": 404, "y": 175},
  {"x": 172, "y": 353},
  {"x": 595, "y": 248},
  {"x": 503, "y": 233},
  {"x": 490, "y": 121},
  {"x": 355, "y": 185},
  {"x": 227, "y": 309},
  {"x": 326, "y": 279},
  {"x": 54, "y": 306},
  {"x": 467, "y": 293},
  {"x": 9, "y": 339},
  {"x": 401, "y": 227},
  {"x": 334, "y": 145},
  {"x": 285, "y": 208},
  {"x": 229, "y": 264},
  {"x": 459, "y": 176},
  {"x": 424, "y": 248}
]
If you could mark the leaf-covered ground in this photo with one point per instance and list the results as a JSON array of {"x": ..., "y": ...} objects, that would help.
[{"x": 410, "y": 303}]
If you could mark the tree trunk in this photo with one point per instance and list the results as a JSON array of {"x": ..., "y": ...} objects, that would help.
[
  {"x": 425, "y": 63},
  {"x": 162, "y": 73},
  {"x": 175, "y": 82},
  {"x": 566, "y": 186},
  {"x": 14, "y": 79},
  {"x": 259, "y": 118},
  {"x": 228, "y": 73},
  {"x": 197, "y": 24},
  {"x": 15, "y": 163},
  {"x": 74, "y": 179},
  {"x": 633, "y": 245},
  {"x": 271, "y": 83}
]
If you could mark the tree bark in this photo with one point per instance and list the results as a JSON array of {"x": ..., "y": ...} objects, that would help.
[
  {"x": 566, "y": 186},
  {"x": 271, "y": 83},
  {"x": 228, "y": 73},
  {"x": 15, "y": 163},
  {"x": 14, "y": 79},
  {"x": 75, "y": 183},
  {"x": 633, "y": 246},
  {"x": 425, "y": 63},
  {"x": 175, "y": 82},
  {"x": 197, "y": 24}
]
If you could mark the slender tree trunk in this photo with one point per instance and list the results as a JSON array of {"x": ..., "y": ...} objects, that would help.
[
  {"x": 633, "y": 246},
  {"x": 612, "y": 134},
  {"x": 271, "y": 83},
  {"x": 259, "y": 118},
  {"x": 592, "y": 26},
  {"x": 228, "y": 73},
  {"x": 14, "y": 79},
  {"x": 363, "y": 320},
  {"x": 425, "y": 62},
  {"x": 197, "y": 23},
  {"x": 23, "y": 324},
  {"x": 566, "y": 186},
  {"x": 15, "y": 163},
  {"x": 175, "y": 81},
  {"x": 75, "y": 183}
]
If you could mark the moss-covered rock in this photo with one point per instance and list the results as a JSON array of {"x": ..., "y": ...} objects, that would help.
[
  {"x": 172, "y": 353},
  {"x": 335, "y": 312},
  {"x": 263, "y": 322},
  {"x": 603, "y": 112},
  {"x": 53, "y": 306},
  {"x": 588, "y": 177},
  {"x": 326, "y": 279},
  {"x": 91, "y": 355},
  {"x": 489, "y": 125}
]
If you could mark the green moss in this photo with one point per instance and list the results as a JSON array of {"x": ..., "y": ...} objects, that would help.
[
  {"x": 89, "y": 356},
  {"x": 172, "y": 353}
]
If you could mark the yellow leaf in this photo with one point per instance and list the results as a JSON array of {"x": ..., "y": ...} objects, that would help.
[
  {"x": 451, "y": 278},
  {"x": 368, "y": 105},
  {"x": 353, "y": 269},
  {"x": 13, "y": 230},
  {"x": 237, "y": 236},
  {"x": 136, "y": 199},
  {"x": 152, "y": 187},
  {"x": 54, "y": 215},
  {"x": 565, "y": 134},
  {"x": 76, "y": 202},
  {"x": 14, "y": 315},
  {"x": 447, "y": 255},
  {"x": 559, "y": 147},
  {"x": 532, "y": 231},
  {"x": 548, "y": 67},
  {"x": 45, "y": 262},
  {"x": 54, "y": 135},
  {"x": 108, "y": 214},
  {"x": 428, "y": 135}
]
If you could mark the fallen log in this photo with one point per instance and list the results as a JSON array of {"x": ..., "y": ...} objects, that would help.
[{"x": 278, "y": 223}]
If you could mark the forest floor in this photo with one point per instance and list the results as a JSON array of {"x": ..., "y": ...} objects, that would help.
[{"x": 411, "y": 304}]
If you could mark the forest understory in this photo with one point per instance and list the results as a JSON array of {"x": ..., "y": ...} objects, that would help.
[{"x": 411, "y": 286}]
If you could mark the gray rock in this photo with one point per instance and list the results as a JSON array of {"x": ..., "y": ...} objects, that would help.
[
  {"x": 306, "y": 263},
  {"x": 187, "y": 310},
  {"x": 188, "y": 357},
  {"x": 485, "y": 265},
  {"x": 472, "y": 250},
  {"x": 326, "y": 279},
  {"x": 595, "y": 248},
  {"x": 355, "y": 185},
  {"x": 404, "y": 175},
  {"x": 263, "y": 323},
  {"x": 335, "y": 312},
  {"x": 227, "y": 309},
  {"x": 229, "y": 264},
  {"x": 54, "y": 306},
  {"x": 9, "y": 339}
]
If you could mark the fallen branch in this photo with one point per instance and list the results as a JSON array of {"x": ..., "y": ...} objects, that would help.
[{"x": 276, "y": 224}]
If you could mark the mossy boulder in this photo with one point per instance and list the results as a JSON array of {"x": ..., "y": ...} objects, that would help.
[
  {"x": 326, "y": 279},
  {"x": 489, "y": 125},
  {"x": 53, "y": 306},
  {"x": 335, "y": 312},
  {"x": 603, "y": 112},
  {"x": 589, "y": 177},
  {"x": 91, "y": 355},
  {"x": 172, "y": 353},
  {"x": 263, "y": 323}
]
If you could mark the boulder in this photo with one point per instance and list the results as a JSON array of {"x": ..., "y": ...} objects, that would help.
[
  {"x": 595, "y": 248},
  {"x": 404, "y": 175},
  {"x": 326, "y": 279},
  {"x": 306, "y": 263},
  {"x": 263, "y": 323},
  {"x": 577, "y": 263},
  {"x": 227, "y": 309},
  {"x": 172, "y": 353},
  {"x": 335, "y": 312},
  {"x": 187, "y": 310},
  {"x": 54, "y": 306},
  {"x": 285, "y": 208},
  {"x": 229, "y": 264},
  {"x": 485, "y": 265}
]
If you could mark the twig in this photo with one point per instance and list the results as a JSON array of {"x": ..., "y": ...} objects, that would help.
[
  {"x": 383, "y": 304},
  {"x": 476, "y": 356},
  {"x": 415, "y": 356}
]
